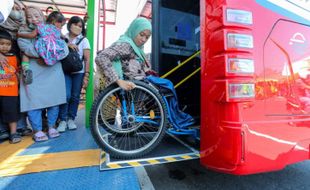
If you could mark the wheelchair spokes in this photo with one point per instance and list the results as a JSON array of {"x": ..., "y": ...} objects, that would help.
[{"x": 130, "y": 122}]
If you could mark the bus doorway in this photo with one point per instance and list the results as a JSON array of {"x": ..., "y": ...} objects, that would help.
[
  {"x": 176, "y": 40},
  {"x": 175, "y": 56}
]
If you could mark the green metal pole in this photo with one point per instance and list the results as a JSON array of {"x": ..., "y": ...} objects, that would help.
[{"x": 91, "y": 37}]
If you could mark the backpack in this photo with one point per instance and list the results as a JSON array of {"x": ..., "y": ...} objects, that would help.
[{"x": 72, "y": 62}]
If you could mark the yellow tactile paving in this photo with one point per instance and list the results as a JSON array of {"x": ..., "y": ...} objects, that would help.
[
  {"x": 17, "y": 165},
  {"x": 10, "y": 150}
]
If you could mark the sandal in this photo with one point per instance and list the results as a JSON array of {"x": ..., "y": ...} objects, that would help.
[
  {"x": 53, "y": 133},
  {"x": 4, "y": 135},
  {"x": 40, "y": 136},
  {"x": 15, "y": 138},
  {"x": 24, "y": 131}
]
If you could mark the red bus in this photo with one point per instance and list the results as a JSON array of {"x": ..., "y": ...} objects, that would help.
[{"x": 254, "y": 85}]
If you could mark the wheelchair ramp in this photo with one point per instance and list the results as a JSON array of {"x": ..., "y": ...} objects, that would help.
[{"x": 171, "y": 149}]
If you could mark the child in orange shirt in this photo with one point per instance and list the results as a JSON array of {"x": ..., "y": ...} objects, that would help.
[{"x": 9, "y": 100}]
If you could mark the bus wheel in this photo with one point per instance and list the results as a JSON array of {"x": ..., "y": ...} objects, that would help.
[{"x": 128, "y": 124}]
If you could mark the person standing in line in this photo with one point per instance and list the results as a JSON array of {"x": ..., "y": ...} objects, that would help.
[
  {"x": 15, "y": 20},
  {"x": 49, "y": 44},
  {"x": 75, "y": 81},
  {"x": 9, "y": 100},
  {"x": 47, "y": 90}
]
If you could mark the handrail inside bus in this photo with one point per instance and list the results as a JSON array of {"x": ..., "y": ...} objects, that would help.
[
  {"x": 181, "y": 64},
  {"x": 186, "y": 78}
]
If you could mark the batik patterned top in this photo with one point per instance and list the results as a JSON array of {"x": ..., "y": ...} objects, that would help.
[
  {"x": 133, "y": 67},
  {"x": 49, "y": 44}
]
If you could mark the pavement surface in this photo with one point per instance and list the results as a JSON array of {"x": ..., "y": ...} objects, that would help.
[{"x": 191, "y": 175}]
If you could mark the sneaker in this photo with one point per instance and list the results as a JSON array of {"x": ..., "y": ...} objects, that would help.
[
  {"x": 62, "y": 126},
  {"x": 71, "y": 124}
]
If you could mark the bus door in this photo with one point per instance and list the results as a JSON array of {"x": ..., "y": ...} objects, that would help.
[{"x": 176, "y": 37}]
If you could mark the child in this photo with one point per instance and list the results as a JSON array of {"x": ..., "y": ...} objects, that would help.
[
  {"x": 49, "y": 44},
  {"x": 9, "y": 100}
]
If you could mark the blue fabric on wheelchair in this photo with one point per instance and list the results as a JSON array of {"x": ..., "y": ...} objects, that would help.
[{"x": 178, "y": 118}]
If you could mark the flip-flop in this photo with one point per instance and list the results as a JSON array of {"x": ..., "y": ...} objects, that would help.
[
  {"x": 53, "y": 133},
  {"x": 24, "y": 131},
  {"x": 4, "y": 135},
  {"x": 40, "y": 136},
  {"x": 15, "y": 138}
]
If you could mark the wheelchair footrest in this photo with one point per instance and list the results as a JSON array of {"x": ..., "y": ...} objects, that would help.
[
  {"x": 182, "y": 131},
  {"x": 166, "y": 92}
]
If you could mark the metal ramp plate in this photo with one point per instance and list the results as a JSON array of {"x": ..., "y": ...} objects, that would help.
[{"x": 171, "y": 149}]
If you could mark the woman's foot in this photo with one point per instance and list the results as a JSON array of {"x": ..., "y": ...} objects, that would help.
[
  {"x": 40, "y": 136},
  {"x": 71, "y": 124},
  {"x": 15, "y": 138},
  {"x": 24, "y": 131},
  {"x": 53, "y": 133}
]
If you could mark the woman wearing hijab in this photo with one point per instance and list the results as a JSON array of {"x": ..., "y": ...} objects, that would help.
[
  {"x": 127, "y": 56},
  {"x": 125, "y": 60},
  {"x": 14, "y": 22},
  {"x": 47, "y": 91}
]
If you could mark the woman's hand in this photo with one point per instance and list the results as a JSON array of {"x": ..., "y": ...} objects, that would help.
[
  {"x": 126, "y": 85},
  {"x": 85, "y": 81},
  {"x": 41, "y": 62},
  {"x": 73, "y": 46},
  {"x": 152, "y": 72}
]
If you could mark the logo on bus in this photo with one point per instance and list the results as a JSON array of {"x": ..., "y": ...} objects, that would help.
[
  {"x": 297, "y": 38},
  {"x": 299, "y": 43}
]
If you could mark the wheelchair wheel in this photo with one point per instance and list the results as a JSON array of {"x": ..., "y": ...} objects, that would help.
[{"x": 128, "y": 124}]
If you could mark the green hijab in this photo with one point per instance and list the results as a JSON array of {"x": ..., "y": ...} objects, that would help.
[{"x": 138, "y": 25}]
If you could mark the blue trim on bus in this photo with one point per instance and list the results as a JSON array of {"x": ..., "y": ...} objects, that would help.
[{"x": 283, "y": 12}]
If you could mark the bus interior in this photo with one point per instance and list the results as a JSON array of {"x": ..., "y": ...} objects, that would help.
[{"x": 176, "y": 40}]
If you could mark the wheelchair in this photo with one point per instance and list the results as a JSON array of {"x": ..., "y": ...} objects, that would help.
[{"x": 130, "y": 124}]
